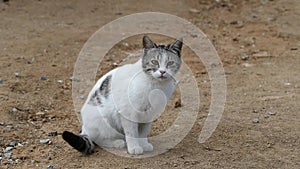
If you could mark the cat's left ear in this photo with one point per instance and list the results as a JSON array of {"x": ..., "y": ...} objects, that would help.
[
  {"x": 147, "y": 43},
  {"x": 176, "y": 46}
]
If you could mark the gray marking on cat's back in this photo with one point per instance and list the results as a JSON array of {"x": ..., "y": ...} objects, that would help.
[
  {"x": 105, "y": 86},
  {"x": 103, "y": 90}
]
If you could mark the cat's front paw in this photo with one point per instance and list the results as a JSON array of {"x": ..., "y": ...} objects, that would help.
[
  {"x": 136, "y": 150},
  {"x": 147, "y": 147}
]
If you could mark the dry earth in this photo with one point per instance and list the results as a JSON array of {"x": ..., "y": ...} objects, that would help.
[{"x": 258, "y": 43}]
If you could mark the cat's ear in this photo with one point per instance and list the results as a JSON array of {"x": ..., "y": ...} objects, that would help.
[
  {"x": 147, "y": 43},
  {"x": 176, "y": 46}
]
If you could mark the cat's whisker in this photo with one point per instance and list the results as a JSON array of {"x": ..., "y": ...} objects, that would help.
[{"x": 176, "y": 82}]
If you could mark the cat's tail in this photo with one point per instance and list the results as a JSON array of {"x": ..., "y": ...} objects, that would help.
[{"x": 80, "y": 142}]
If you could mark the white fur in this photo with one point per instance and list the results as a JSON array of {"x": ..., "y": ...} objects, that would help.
[{"x": 135, "y": 100}]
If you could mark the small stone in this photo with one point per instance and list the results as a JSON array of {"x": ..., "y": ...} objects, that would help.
[
  {"x": 58, "y": 146},
  {"x": 45, "y": 141},
  {"x": 17, "y": 74},
  {"x": 255, "y": 120},
  {"x": 60, "y": 81},
  {"x": 13, "y": 143},
  {"x": 237, "y": 24},
  {"x": 262, "y": 54},
  {"x": 247, "y": 65},
  {"x": 74, "y": 79},
  {"x": 8, "y": 149},
  {"x": 50, "y": 167},
  {"x": 14, "y": 110},
  {"x": 178, "y": 103},
  {"x": 43, "y": 78},
  {"x": 81, "y": 97},
  {"x": 40, "y": 113},
  {"x": 1, "y": 81},
  {"x": 271, "y": 113},
  {"x": 245, "y": 56},
  {"x": 287, "y": 84},
  {"x": 9, "y": 126},
  {"x": 7, "y": 155},
  {"x": 125, "y": 44},
  {"x": 294, "y": 48},
  {"x": 53, "y": 133},
  {"x": 193, "y": 10}
]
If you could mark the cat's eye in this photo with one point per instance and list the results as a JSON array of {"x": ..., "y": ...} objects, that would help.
[
  {"x": 170, "y": 63},
  {"x": 155, "y": 62}
]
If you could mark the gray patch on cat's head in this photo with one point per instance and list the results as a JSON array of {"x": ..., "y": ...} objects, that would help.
[{"x": 157, "y": 57}]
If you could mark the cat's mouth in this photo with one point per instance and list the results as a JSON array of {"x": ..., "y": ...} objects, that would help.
[{"x": 162, "y": 77}]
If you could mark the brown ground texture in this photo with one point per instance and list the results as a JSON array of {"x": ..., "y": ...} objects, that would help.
[{"x": 44, "y": 38}]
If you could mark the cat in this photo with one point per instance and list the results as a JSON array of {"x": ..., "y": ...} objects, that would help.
[{"x": 121, "y": 106}]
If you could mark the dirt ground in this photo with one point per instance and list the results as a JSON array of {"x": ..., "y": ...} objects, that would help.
[{"x": 258, "y": 42}]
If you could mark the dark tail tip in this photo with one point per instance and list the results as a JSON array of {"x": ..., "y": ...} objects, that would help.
[{"x": 75, "y": 141}]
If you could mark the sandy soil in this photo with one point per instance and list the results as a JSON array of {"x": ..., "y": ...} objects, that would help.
[{"x": 43, "y": 38}]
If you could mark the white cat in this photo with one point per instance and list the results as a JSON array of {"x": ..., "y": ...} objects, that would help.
[{"x": 121, "y": 106}]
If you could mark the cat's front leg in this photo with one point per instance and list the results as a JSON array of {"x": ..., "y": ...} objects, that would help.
[
  {"x": 132, "y": 137},
  {"x": 144, "y": 129}
]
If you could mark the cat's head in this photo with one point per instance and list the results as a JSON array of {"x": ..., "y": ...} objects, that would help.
[{"x": 161, "y": 61}]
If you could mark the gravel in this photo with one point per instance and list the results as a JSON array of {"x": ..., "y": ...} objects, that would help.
[
  {"x": 45, "y": 141},
  {"x": 7, "y": 155},
  {"x": 255, "y": 120}
]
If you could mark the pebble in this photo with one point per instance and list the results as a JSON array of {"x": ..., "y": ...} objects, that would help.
[
  {"x": 13, "y": 143},
  {"x": 43, "y": 78},
  {"x": 45, "y": 141},
  {"x": 262, "y": 54},
  {"x": 58, "y": 146},
  {"x": 193, "y": 10},
  {"x": 81, "y": 97},
  {"x": 53, "y": 133},
  {"x": 255, "y": 120},
  {"x": 125, "y": 44},
  {"x": 7, "y": 155},
  {"x": 17, "y": 74},
  {"x": 14, "y": 110},
  {"x": 1, "y": 81},
  {"x": 74, "y": 79},
  {"x": 40, "y": 113},
  {"x": 60, "y": 81},
  {"x": 50, "y": 167},
  {"x": 245, "y": 56},
  {"x": 8, "y": 149},
  {"x": 271, "y": 113}
]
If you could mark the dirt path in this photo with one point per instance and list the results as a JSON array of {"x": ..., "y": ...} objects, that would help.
[{"x": 258, "y": 42}]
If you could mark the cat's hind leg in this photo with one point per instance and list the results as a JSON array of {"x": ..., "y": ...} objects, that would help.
[{"x": 80, "y": 142}]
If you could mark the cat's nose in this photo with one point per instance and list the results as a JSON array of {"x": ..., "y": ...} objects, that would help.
[{"x": 162, "y": 71}]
